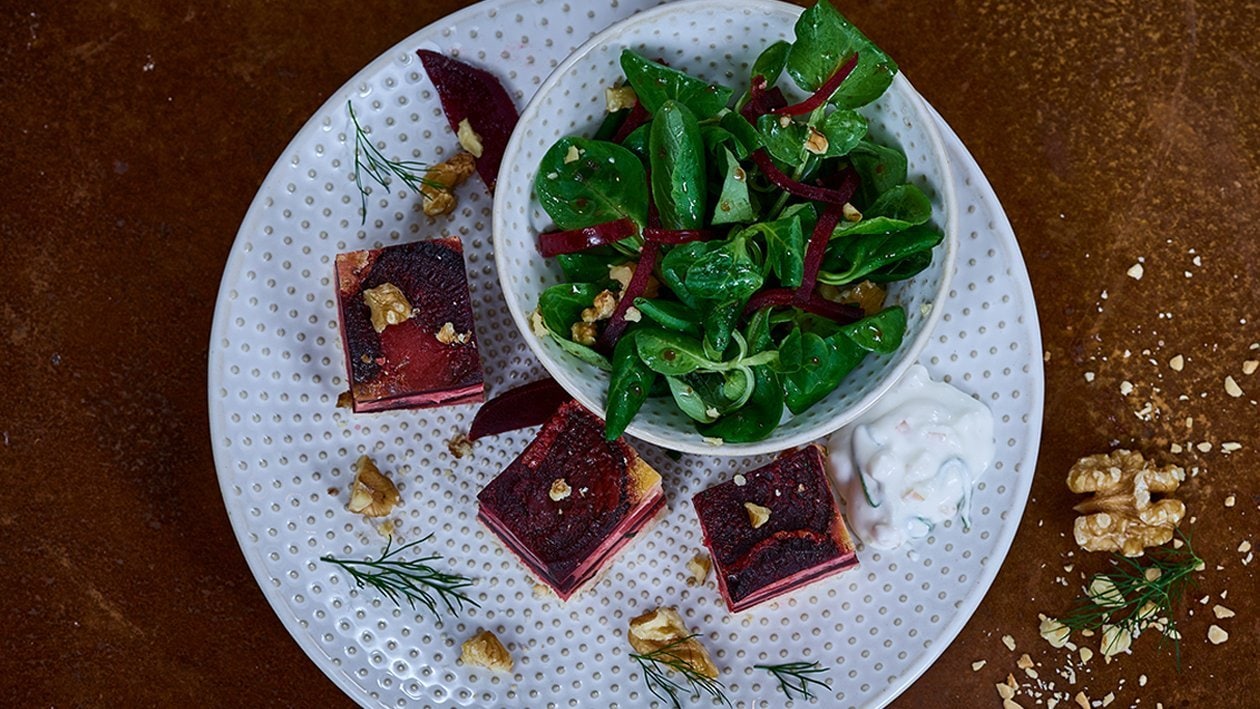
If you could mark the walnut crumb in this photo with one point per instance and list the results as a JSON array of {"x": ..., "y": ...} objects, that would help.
[
  {"x": 1054, "y": 632},
  {"x": 977, "y": 665},
  {"x": 1249, "y": 367},
  {"x": 469, "y": 139},
  {"x": 537, "y": 325},
  {"x": 740, "y": 480},
  {"x": 387, "y": 306},
  {"x": 1121, "y": 514},
  {"x": 345, "y": 400},
  {"x": 372, "y": 494},
  {"x": 1009, "y": 642},
  {"x": 1135, "y": 271},
  {"x": 816, "y": 143},
  {"x": 757, "y": 515},
  {"x": 851, "y": 214},
  {"x": 583, "y": 333},
  {"x": 658, "y": 628},
  {"x": 1232, "y": 388},
  {"x": 485, "y": 650},
  {"x": 559, "y": 490},
  {"x": 1221, "y": 612},
  {"x": 1177, "y": 363},
  {"x": 459, "y": 445},
  {"x": 698, "y": 569},
  {"x": 572, "y": 155},
  {"x": 447, "y": 335},
  {"x": 602, "y": 309},
  {"x": 619, "y": 98},
  {"x": 1217, "y": 635},
  {"x": 1024, "y": 662}
]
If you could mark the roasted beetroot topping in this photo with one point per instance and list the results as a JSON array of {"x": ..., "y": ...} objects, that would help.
[
  {"x": 408, "y": 364},
  {"x": 823, "y": 93},
  {"x": 571, "y": 500},
  {"x": 526, "y": 405},
  {"x": 553, "y": 243},
  {"x": 804, "y": 538},
  {"x": 474, "y": 94}
]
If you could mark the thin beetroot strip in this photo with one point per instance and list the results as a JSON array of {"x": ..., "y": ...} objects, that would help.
[
  {"x": 815, "y": 249},
  {"x": 823, "y": 93},
  {"x": 761, "y": 100},
  {"x": 678, "y": 236},
  {"x": 554, "y": 243},
  {"x": 842, "y": 313},
  {"x": 527, "y": 405},
  {"x": 800, "y": 189},
  {"x": 470, "y": 93},
  {"x": 617, "y": 324}
]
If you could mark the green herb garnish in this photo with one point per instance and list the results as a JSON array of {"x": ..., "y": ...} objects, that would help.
[
  {"x": 1135, "y": 597},
  {"x": 370, "y": 160},
  {"x": 797, "y": 676},
  {"x": 656, "y": 666},
  {"x": 414, "y": 580}
]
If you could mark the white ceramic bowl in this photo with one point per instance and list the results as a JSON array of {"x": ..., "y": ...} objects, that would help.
[{"x": 717, "y": 40}]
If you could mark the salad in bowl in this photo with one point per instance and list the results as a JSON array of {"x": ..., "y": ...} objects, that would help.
[{"x": 725, "y": 247}]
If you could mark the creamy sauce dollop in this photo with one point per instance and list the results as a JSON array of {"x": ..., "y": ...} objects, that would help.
[{"x": 910, "y": 462}]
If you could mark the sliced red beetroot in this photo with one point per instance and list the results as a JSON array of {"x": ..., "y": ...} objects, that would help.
[
  {"x": 761, "y": 100},
  {"x": 842, "y": 313},
  {"x": 617, "y": 324},
  {"x": 527, "y": 405},
  {"x": 474, "y": 94},
  {"x": 800, "y": 189},
  {"x": 824, "y": 92},
  {"x": 553, "y": 243},
  {"x": 816, "y": 247},
  {"x": 637, "y": 117},
  {"x": 678, "y": 236}
]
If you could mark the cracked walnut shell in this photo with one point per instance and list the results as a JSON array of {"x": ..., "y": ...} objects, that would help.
[
  {"x": 663, "y": 627},
  {"x": 1121, "y": 515}
]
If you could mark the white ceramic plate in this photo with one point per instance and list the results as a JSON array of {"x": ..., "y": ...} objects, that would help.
[
  {"x": 716, "y": 40},
  {"x": 283, "y": 451}
]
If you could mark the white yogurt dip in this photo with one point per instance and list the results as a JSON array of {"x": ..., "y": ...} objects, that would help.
[{"x": 910, "y": 462}]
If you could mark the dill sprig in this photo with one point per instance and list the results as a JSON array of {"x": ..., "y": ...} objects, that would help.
[
  {"x": 1135, "y": 597},
  {"x": 370, "y": 160},
  {"x": 797, "y": 676},
  {"x": 414, "y": 580},
  {"x": 656, "y": 666}
]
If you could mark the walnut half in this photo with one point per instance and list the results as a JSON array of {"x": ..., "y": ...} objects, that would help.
[
  {"x": 373, "y": 494},
  {"x": 663, "y": 627},
  {"x": 1121, "y": 515}
]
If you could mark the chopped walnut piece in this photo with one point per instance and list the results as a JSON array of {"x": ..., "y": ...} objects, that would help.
[
  {"x": 345, "y": 400},
  {"x": 372, "y": 494},
  {"x": 602, "y": 309},
  {"x": 459, "y": 445},
  {"x": 1115, "y": 640},
  {"x": 468, "y": 138},
  {"x": 1217, "y": 635},
  {"x": 537, "y": 325},
  {"x": 851, "y": 213},
  {"x": 619, "y": 98},
  {"x": 388, "y": 306},
  {"x": 583, "y": 333},
  {"x": 573, "y": 154},
  {"x": 443, "y": 177},
  {"x": 1055, "y": 632},
  {"x": 661, "y": 627},
  {"x": 757, "y": 515},
  {"x": 698, "y": 568},
  {"x": 816, "y": 143},
  {"x": 485, "y": 650},
  {"x": 559, "y": 490},
  {"x": 1121, "y": 515}
]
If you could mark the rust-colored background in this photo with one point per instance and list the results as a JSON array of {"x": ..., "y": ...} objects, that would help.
[{"x": 136, "y": 133}]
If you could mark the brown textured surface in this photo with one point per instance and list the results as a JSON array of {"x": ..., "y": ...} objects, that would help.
[{"x": 136, "y": 133}]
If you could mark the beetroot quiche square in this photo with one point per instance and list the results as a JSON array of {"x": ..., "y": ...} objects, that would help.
[
  {"x": 572, "y": 500},
  {"x": 407, "y": 326},
  {"x": 774, "y": 530}
]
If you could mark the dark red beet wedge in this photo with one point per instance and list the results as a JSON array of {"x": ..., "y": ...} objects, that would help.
[
  {"x": 406, "y": 365},
  {"x": 526, "y": 405},
  {"x": 475, "y": 94},
  {"x": 803, "y": 540},
  {"x": 571, "y": 500}
]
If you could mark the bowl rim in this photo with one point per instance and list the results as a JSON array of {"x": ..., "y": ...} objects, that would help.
[{"x": 693, "y": 443}]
